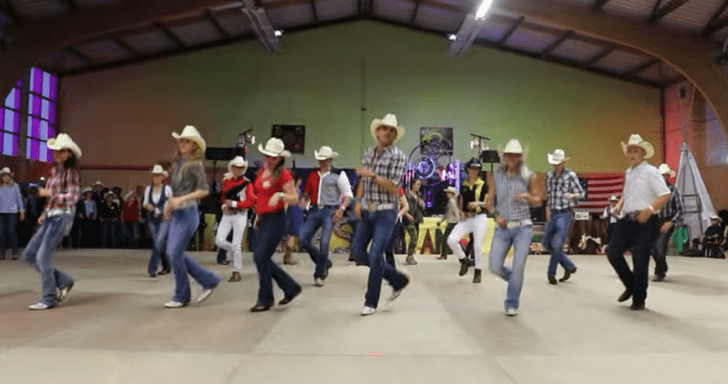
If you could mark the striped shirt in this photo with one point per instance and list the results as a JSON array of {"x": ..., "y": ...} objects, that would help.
[
  {"x": 506, "y": 189},
  {"x": 673, "y": 210},
  {"x": 557, "y": 185},
  {"x": 64, "y": 188},
  {"x": 391, "y": 165}
]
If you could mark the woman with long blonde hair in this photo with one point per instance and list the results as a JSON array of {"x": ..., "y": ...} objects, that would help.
[{"x": 189, "y": 185}]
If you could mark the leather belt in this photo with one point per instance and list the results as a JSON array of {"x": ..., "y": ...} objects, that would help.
[
  {"x": 374, "y": 207},
  {"x": 518, "y": 223}
]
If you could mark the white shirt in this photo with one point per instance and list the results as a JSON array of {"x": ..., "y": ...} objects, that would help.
[
  {"x": 642, "y": 185},
  {"x": 156, "y": 196}
]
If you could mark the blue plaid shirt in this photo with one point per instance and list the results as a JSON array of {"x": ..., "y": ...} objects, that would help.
[
  {"x": 557, "y": 185},
  {"x": 391, "y": 164}
]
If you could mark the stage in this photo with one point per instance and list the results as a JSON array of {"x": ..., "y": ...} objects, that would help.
[{"x": 442, "y": 329}]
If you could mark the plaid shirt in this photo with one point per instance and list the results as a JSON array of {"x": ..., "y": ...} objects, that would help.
[
  {"x": 391, "y": 165},
  {"x": 673, "y": 210},
  {"x": 565, "y": 182},
  {"x": 64, "y": 188}
]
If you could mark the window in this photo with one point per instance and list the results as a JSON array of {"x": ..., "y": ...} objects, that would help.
[
  {"x": 10, "y": 122},
  {"x": 42, "y": 113}
]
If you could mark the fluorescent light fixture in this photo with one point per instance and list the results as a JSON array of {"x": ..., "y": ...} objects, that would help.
[
  {"x": 483, "y": 9},
  {"x": 452, "y": 37},
  {"x": 278, "y": 33}
]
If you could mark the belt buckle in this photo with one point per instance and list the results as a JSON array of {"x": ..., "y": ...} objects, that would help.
[
  {"x": 372, "y": 207},
  {"x": 513, "y": 224}
]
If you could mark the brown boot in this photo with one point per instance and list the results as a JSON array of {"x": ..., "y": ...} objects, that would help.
[
  {"x": 288, "y": 258},
  {"x": 442, "y": 257},
  {"x": 235, "y": 277}
]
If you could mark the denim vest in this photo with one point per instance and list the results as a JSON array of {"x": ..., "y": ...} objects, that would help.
[{"x": 159, "y": 205}]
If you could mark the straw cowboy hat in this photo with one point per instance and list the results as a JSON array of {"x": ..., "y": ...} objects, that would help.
[
  {"x": 87, "y": 190},
  {"x": 158, "y": 170},
  {"x": 613, "y": 198},
  {"x": 274, "y": 148},
  {"x": 63, "y": 141},
  {"x": 238, "y": 161},
  {"x": 666, "y": 170},
  {"x": 715, "y": 217},
  {"x": 5, "y": 171},
  {"x": 390, "y": 121},
  {"x": 191, "y": 133},
  {"x": 325, "y": 153},
  {"x": 451, "y": 189},
  {"x": 557, "y": 157},
  {"x": 636, "y": 141},
  {"x": 98, "y": 182}
]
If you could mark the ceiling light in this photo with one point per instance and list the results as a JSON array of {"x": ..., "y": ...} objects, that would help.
[
  {"x": 483, "y": 9},
  {"x": 278, "y": 33}
]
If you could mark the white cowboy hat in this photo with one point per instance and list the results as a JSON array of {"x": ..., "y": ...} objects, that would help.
[
  {"x": 107, "y": 194},
  {"x": 63, "y": 141},
  {"x": 452, "y": 190},
  {"x": 274, "y": 148},
  {"x": 87, "y": 190},
  {"x": 666, "y": 170},
  {"x": 391, "y": 121},
  {"x": 325, "y": 153},
  {"x": 513, "y": 146},
  {"x": 5, "y": 171},
  {"x": 613, "y": 198},
  {"x": 636, "y": 140},
  {"x": 715, "y": 217},
  {"x": 158, "y": 170},
  {"x": 238, "y": 161},
  {"x": 557, "y": 157},
  {"x": 98, "y": 182},
  {"x": 191, "y": 133}
]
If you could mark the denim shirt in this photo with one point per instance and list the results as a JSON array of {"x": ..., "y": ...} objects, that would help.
[{"x": 10, "y": 199}]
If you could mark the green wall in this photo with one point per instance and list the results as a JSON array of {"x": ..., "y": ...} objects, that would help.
[{"x": 323, "y": 79}]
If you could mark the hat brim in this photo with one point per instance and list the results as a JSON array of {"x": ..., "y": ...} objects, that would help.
[
  {"x": 230, "y": 166},
  {"x": 73, "y": 147},
  {"x": 273, "y": 154},
  {"x": 163, "y": 173},
  {"x": 553, "y": 161},
  {"x": 649, "y": 149},
  {"x": 197, "y": 139},
  {"x": 378, "y": 123},
  {"x": 318, "y": 156}
]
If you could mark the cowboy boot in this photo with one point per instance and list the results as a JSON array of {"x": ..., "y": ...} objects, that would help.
[{"x": 476, "y": 276}]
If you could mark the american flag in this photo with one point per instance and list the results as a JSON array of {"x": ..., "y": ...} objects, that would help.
[{"x": 599, "y": 187}]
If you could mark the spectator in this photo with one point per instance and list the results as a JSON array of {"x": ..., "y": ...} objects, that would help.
[
  {"x": 130, "y": 217},
  {"x": 713, "y": 238},
  {"x": 87, "y": 214},
  {"x": 11, "y": 208},
  {"x": 109, "y": 215}
]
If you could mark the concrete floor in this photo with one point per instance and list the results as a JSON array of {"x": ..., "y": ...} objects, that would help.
[{"x": 442, "y": 329}]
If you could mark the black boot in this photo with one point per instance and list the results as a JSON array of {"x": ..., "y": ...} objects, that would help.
[
  {"x": 464, "y": 265},
  {"x": 476, "y": 276}
]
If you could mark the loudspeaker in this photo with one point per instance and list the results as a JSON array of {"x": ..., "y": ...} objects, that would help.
[
  {"x": 223, "y": 153},
  {"x": 489, "y": 156}
]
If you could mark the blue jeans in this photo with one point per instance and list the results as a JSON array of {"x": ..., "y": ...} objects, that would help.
[
  {"x": 39, "y": 254},
  {"x": 318, "y": 218},
  {"x": 377, "y": 227},
  {"x": 553, "y": 240},
  {"x": 271, "y": 229},
  {"x": 9, "y": 231},
  {"x": 389, "y": 249},
  {"x": 503, "y": 238},
  {"x": 182, "y": 226},
  {"x": 159, "y": 230}
]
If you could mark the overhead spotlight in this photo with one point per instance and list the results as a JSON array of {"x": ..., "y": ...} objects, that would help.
[
  {"x": 475, "y": 143},
  {"x": 483, "y": 9},
  {"x": 452, "y": 37},
  {"x": 278, "y": 33}
]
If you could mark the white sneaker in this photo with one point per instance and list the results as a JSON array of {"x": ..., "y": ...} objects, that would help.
[
  {"x": 204, "y": 295},
  {"x": 63, "y": 293},
  {"x": 318, "y": 282},
  {"x": 511, "y": 311},
  {"x": 174, "y": 304},
  {"x": 368, "y": 311},
  {"x": 38, "y": 306}
]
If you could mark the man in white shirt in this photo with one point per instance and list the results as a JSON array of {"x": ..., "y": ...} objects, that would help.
[{"x": 645, "y": 192}]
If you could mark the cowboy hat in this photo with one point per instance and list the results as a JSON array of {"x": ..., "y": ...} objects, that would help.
[
  {"x": 129, "y": 194},
  {"x": 325, "y": 153},
  {"x": 98, "y": 182},
  {"x": 474, "y": 163},
  {"x": 274, "y": 148},
  {"x": 5, "y": 171},
  {"x": 557, "y": 157},
  {"x": 87, "y": 190},
  {"x": 613, "y": 198},
  {"x": 666, "y": 170},
  {"x": 513, "y": 146},
  {"x": 390, "y": 121},
  {"x": 158, "y": 170},
  {"x": 636, "y": 140},
  {"x": 63, "y": 141},
  {"x": 715, "y": 217},
  {"x": 191, "y": 133},
  {"x": 238, "y": 161},
  {"x": 451, "y": 189}
]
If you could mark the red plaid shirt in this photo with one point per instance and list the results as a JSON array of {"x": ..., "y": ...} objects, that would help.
[{"x": 64, "y": 189}]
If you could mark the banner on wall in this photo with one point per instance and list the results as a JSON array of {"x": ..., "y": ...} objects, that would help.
[{"x": 293, "y": 136}]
